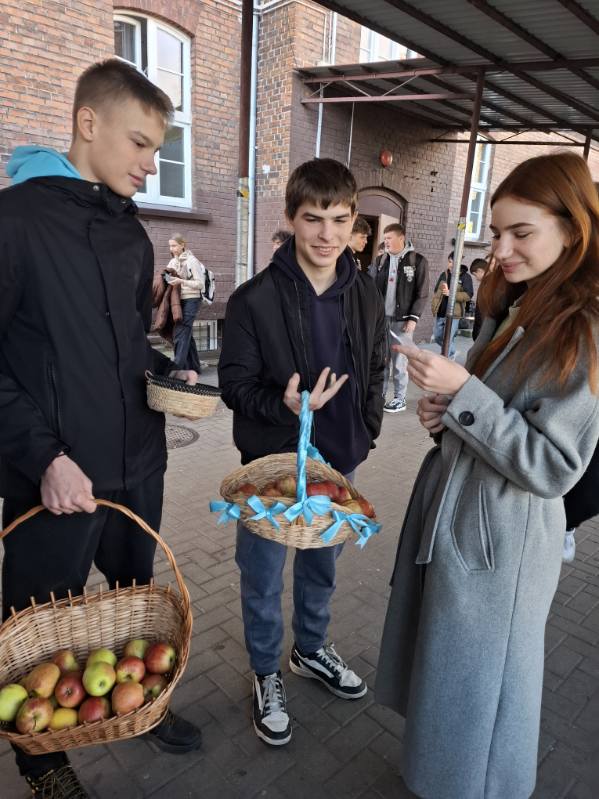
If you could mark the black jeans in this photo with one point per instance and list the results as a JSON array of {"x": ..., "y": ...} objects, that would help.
[
  {"x": 55, "y": 553},
  {"x": 186, "y": 352}
]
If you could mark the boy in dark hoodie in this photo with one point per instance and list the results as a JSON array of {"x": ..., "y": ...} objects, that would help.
[
  {"x": 76, "y": 286},
  {"x": 308, "y": 318}
]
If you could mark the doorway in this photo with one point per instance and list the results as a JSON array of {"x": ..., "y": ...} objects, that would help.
[{"x": 379, "y": 207}]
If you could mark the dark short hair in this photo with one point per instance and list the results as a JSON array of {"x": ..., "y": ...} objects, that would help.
[
  {"x": 280, "y": 235},
  {"x": 450, "y": 256},
  {"x": 479, "y": 263},
  {"x": 381, "y": 246},
  {"x": 361, "y": 226},
  {"x": 395, "y": 227},
  {"x": 108, "y": 82},
  {"x": 323, "y": 182}
]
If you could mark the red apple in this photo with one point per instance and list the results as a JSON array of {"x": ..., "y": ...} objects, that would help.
[
  {"x": 153, "y": 685},
  {"x": 34, "y": 715},
  {"x": 95, "y": 708},
  {"x": 247, "y": 489},
  {"x": 130, "y": 669},
  {"x": 287, "y": 486},
  {"x": 160, "y": 658},
  {"x": 367, "y": 508},
  {"x": 65, "y": 660},
  {"x": 136, "y": 648},
  {"x": 69, "y": 691},
  {"x": 343, "y": 495},
  {"x": 127, "y": 696},
  {"x": 326, "y": 489}
]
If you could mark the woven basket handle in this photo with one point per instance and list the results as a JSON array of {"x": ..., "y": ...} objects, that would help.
[{"x": 134, "y": 517}]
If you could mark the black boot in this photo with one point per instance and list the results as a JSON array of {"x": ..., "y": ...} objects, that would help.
[
  {"x": 61, "y": 783},
  {"x": 175, "y": 735}
]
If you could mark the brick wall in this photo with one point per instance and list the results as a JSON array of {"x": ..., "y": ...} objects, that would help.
[{"x": 46, "y": 45}]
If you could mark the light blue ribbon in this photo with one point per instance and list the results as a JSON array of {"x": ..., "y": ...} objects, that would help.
[
  {"x": 313, "y": 453},
  {"x": 310, "y": 507},
  {"x": 230, "y": 511},
  {"x": 360, "y": 524},
  {"x": 262, "y": 512},
  {"x": 302, "y": 447}
]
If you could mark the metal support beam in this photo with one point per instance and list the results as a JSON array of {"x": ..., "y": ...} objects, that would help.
[
  {"x": 388, "y": 98},
  {"x": 461, "y": 226},
  {"x": 498, "y": 141},
  {"x": 582, "y": 14}
]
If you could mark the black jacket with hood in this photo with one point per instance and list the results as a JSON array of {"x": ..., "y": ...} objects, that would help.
[
  {"x": 76, "y": 270},
  {"x": 269, "y": 334}
]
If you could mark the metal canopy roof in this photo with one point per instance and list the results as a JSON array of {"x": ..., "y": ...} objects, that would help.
[{"x": 540, "y": 60}]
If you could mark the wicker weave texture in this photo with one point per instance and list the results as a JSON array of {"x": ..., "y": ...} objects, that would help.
[
  {"x": 104, "y": 619},
  {"x": 178, "y": 403},
  {"x": 296, "y": 534}
]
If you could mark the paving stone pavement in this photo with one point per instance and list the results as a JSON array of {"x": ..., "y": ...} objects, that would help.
[{"x": 343, "y": 749}]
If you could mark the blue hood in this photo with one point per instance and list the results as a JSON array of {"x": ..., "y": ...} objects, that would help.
[{"x": 32, "y": 161}]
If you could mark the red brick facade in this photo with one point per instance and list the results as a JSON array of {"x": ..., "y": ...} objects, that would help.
[{"x": 45, "y": 45}]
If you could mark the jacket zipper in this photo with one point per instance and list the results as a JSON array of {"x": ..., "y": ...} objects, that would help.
[{"x": 353, "y": 358}]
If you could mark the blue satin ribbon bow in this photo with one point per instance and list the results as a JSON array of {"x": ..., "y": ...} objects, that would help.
[
  {"x": 230, "y": 511},
  {"x": 310, "y": 507},
  {"x": 262, "y": 512},
  {"x": 360, "y": 524}
]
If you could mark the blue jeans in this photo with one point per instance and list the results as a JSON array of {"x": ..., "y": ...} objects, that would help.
[
  {"x": 261, "y": 563},
  {"x": 186, "y": 353},
  {"x": 440, "y": 332}
]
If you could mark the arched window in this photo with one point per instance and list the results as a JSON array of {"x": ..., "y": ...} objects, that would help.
[{"x": 163, "y": 54}]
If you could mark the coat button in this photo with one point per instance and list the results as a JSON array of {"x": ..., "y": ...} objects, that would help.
[
  {"x": 466, "y": 418},
  {"x": 96, "y": 187}
]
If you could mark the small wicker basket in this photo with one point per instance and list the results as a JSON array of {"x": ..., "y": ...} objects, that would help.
[
  {"x": 82, "y": 623},
  {"x": 168, "y": 395},
  {"x": 297, "y": 533}
]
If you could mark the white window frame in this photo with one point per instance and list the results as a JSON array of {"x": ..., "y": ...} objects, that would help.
[
  {"x": 137, "y": 25},
  {"x": 373, "y": 45},
  {"x": 181, "y": 119},
  {"x": 482, "y": 187}
]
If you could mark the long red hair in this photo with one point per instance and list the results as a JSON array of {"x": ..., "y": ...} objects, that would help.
[{"x": 560, "y": 309}]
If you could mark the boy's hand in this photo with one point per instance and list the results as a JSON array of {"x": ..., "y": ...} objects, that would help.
[
  {"x": 432, "y": 372},
  {"x": 320, "y": 394},
  {"x": 65, "y": 488},
  {"x": 409, "y": 326}
]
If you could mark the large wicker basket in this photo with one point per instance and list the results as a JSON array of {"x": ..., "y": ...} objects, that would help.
[
  {"x": 82, "y": 623},
  {"x": 296, "y": 533},
  {"x": 180, "y": 399}
]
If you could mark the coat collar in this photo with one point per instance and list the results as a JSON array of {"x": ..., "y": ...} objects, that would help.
[{"x": 84, "y": 192}]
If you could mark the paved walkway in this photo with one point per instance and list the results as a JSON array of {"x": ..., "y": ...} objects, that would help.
[{"x": 340, "y": 749}]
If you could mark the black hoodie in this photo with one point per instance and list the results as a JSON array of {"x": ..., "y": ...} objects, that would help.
[
  {"x": 275, "y": 325},
  {"x": 339, "y": 430}
]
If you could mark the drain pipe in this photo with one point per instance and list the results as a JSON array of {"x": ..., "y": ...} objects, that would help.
[
  {"x": 329, "y": 57},
  {"x": 251, "y": 243},
  {"x": 243, "y": 193}
]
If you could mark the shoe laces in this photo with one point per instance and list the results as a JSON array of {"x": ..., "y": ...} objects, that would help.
[
  {"x": 333, "y": 660},
  {"x": 273, "y": 694},
  {"x": 61, "y": 783}
]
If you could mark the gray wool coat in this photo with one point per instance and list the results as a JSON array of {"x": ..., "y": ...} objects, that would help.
[{"x": 477, "y": 566}]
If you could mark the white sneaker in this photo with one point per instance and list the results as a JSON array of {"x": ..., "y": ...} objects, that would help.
[{"x": 326, "y": 666}]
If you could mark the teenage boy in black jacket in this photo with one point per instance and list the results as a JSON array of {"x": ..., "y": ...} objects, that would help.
[
  {"x": 309, "y": 311},
  {"x": 76, "y": 271},
  {"x": 401, "y": 277}
]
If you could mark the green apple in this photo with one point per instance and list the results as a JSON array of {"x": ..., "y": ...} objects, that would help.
[
  {"x": 99, "y": 678},
  {"x": 136, "y": 648},
  {"x": 101, "y": 655},
  {"x": 12, "y": 697}
]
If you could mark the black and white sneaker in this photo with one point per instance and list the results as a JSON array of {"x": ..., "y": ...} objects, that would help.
[
  {"x": 271, "y": 721},
  {"x": 396, "y": 405},
  {"x": 326, "y": 665}
]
